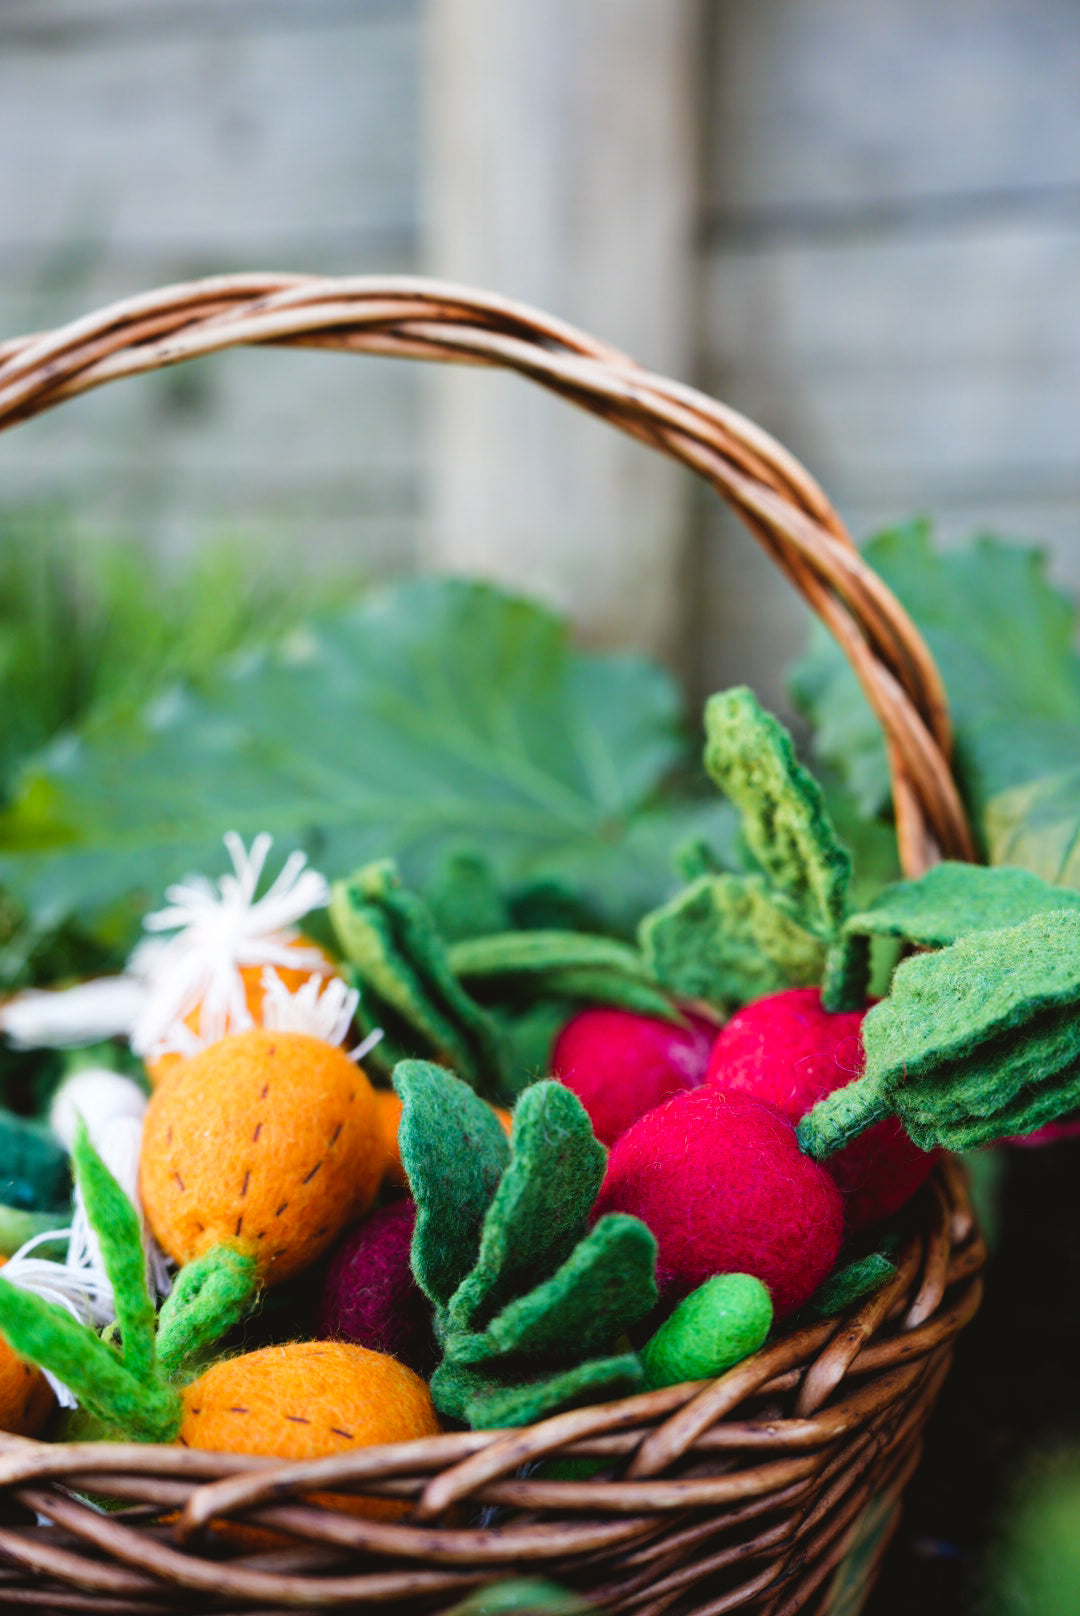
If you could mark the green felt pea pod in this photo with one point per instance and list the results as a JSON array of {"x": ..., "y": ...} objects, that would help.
[
  {"x": 605, "y": 1286},
  {"x": 974, "y": 1042},
  {"x": 710, "y": 1331},
  {"x": 472, "y": 1393},
  {"x": 785, "y": 823},
  {"x": 541, "y": 1206},
  {"x": 454, "y": 1153},
  {"x": 34, "y": 1169},
  {"x": 728, "y": 939}
]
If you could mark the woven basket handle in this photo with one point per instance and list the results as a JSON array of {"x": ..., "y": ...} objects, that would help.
[{"x": 409, "y": 318}]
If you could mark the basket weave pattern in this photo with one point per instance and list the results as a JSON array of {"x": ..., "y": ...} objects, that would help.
[{"x": 740, "y": 1494}]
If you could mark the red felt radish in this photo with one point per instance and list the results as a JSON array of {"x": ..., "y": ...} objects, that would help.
[
  {"x": 789, "y": 1050},
  {"x": 621, "y": 1064},
  {"x": 369, "y": 1295},
  {"x": 722, "y": 1184}
]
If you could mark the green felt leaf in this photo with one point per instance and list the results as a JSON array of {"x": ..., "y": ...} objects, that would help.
[
  {"x": 952, "y": 900},
  {"x": 532, "y": 953},
  {"x": 431, "y": 712},
  {"x": 540, "y": 1209},
  {"x": 119, "y": 1232},
  {"x": 389, "y": 936},
  {"x": 785, "y": 822},
  {"x": 210, "y": 1295},
  {"x": 454, "y": 1153},
  {"x": 850, "y": 1284},
  {"x": 469, "y": 1393},
  {"x": 465, "y": 898},
  {"x": 605, "y": 1286},
  {"x": 47, "y": 1335},
  {"x": 34, "y": 1170},
  {"x": 727, "y": 939},
  {"x": 965, "y": 1034},
  {"x": 529, "y": 1035},
  {"x": 1005, "y": 642}
]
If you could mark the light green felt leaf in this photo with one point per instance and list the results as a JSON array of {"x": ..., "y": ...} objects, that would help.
[
  {"x": 209, "y": 1296},
  {"x": 454, "y": 1153},
  {"x": 471, "y": 1394},
  {"x": 47, "y": 1335},
  {"x": 951, "y": 900},
  {"x": 785, "y": 822},
  {"x": 540, "y": 1209},
  {"x": 605, "y": 1286},
  {"x": 431, "y": 712},
  {"x": 964, "y": 1034},
  {"x": 119, "y": 1233},
  {"x": 536, "y": 952},
  {"x": 726, "y": 939}
]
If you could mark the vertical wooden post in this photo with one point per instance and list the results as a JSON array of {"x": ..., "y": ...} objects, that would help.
[{"x": 561, "y": 167}]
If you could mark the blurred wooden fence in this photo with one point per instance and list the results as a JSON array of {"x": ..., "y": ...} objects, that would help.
[{"x": 859, "y": 224}]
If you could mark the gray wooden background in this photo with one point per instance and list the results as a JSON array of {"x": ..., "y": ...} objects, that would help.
[{"x": 858, "y": 223}]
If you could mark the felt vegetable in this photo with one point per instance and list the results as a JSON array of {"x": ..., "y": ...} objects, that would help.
[
  {"x": 974, "y": 1043},
  {"x": 302, "y": 1400},
  {"x": 389, "y": 1110},
  {"x": 529, "y": 1301},
  {"x": 710, "y": 1331},
  {"x": 720, "y": 1181},
  {"x": 26, "y": 1401},
  {"x": 368, "y": 1294},
  {"x": 621, "y": 1065},
  {"x": 789, "y": 1050},
  {"x": 266, "y": 1140},
  {"x": 34, "y": 1169}
]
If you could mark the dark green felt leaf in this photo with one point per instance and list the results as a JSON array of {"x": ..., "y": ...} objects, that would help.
[
  {"x": 850, "y": 1284},
  {"x": 471, "y": 1394},
  {"x": 605, "y": 1286},
  {"x": 454, "y": 1153},
  {"x": 572, "y": 965},
  {"x": 432, "y": 712},
  {"x": 785, "y": 822},
  {"x": 726, "y": 939},
  {"x": 34, "y": 1171},
  {"x": 540, "y": 1209},
  {"x": 465, "y": 898},
  {"x": 119, "y": 1232}
]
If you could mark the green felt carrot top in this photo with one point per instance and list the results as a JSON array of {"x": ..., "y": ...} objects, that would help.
[{"x": 129, "y": 1383}]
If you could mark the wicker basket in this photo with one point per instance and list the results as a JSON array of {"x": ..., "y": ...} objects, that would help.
[{"x": 772, "y": 1489}]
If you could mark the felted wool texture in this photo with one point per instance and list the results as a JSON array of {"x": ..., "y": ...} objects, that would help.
[
  {"x": 720, "y": 1181},
  {"x": 307, "y": 1400},
  {"x": 785, "y": 823},
  {"x": 118, "y": 1228},
  {"x": 368, "y": 1294},
  {"x": 389, "y": 1107},
  {"x": 33, "y": 1165},
  {"x": 470, "y": 1394},
  {"x": 995, "y": 1006},
  {"x": 254, "y": 997},
  {"x": 710, "y": 1331},
  {"x": 850, "y": 1284},
  {"x": 209, "y": 1297},
  {"x": 540, "y": 1208},
  {"x": 26, "y": 1400},
  {"x": 267, "y": 1140},
  {"x": 454, "y": 1153},
  {"x": 789, "y": 1050},
  {"x": 727, "y": 939},
  {"x": 621, "y": 1065},
  {"x": 466, "y": 900},
  {"x": 603, "y": 1288},
  {"x": 952, "y": 900},
  {"x": 569, "y": 964}
]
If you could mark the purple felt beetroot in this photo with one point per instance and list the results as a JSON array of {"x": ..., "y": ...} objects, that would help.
[
  {"x": 369, "y": 1295},
  {"x": 621, "y": 1064}
]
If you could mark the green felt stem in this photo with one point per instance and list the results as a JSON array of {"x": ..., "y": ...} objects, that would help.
[
  {"x": 847, "y": 974},
  {"x": 841, "y": 1117},
  {"x": 119, "y": 1233},
  {"x": 210, "y": 1296},
  {"x": 47, "y": 1335}
]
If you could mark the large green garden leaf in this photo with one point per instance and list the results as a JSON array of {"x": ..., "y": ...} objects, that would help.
[
  {"x": 1004, "y": 640},
  {"x": 432, "y": 716}
]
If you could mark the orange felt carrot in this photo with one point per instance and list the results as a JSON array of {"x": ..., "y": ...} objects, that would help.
[
  {"x": 266, "y": 1140},
  {"x": 26, "y": 1400},
  {"x": 389, "y": 1109},
  {"x": 308, "y": 1400}
]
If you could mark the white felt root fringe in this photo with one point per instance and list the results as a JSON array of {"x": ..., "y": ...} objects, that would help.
[
  {"x": 218, "y": 930},
  {"x": 322, "y": 1010},
  {"x": 86, "y": 1014}
]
